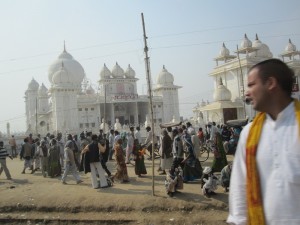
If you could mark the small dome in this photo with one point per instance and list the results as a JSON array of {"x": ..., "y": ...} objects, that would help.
[
  {"x": 73, "y": 67},
  {"x": 246, "y": 43},
  {"x": 117, "y": 71},
  {"x": 90, "y": 90},
  {"x": 263, "y": 49},
  {"x": 290, "y": 47},
  {"x": 43, "y": 91},
  {"x": 224, "y": 51},
  {"x": 165, "y": 78},
  {"x": 105, "y": 72},
  {"x": 222, "y": 93},
  {"x": 61, "y": 76},
  {"x": 33, "y": 85},
  {"x": 129, "y": 73}
]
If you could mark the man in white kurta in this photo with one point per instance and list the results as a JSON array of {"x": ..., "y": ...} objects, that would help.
[
  {"x": 278, "y": 160},
  {"x": 278, "y": 151}
]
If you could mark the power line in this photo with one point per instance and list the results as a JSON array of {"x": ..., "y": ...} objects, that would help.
[
  {"x": 221, "y": 41},
  {"x": 224, "y": 28},
  {"x": 137, "y": 50},
  {"x": 158, "y": 36}
]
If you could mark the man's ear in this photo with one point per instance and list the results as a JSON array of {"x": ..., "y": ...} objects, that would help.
[{"x": 272, "y": 83}]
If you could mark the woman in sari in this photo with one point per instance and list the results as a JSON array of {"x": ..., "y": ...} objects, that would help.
[
  {"x": 121, "y": 173},
  {"x": 138, "y": 153},
  {"x": 192, "y": 168},
  {"x": 54, "y": 167},
  {"x": 220, "y": 160}
]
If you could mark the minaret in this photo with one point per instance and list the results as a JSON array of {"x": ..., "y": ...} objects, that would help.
[
  {"x": 169, "y": 92},
  {"x": 31, "y": 104},
  {"x": 8, "y": 129}
]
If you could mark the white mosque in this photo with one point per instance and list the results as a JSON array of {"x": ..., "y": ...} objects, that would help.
[
  {"x": 72, "y": 105},
  {"x": 230, "y": 81}
]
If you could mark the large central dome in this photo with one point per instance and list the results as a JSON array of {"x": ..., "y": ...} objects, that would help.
[{"x": 74, "y": 69}]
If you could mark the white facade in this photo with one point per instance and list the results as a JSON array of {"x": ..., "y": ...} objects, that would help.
[
  {"x": 72, "y": 105},
  {"x": 232, "y": 71}
]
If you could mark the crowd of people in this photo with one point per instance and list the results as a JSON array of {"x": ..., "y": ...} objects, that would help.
[{"x": 179, "y": 149}]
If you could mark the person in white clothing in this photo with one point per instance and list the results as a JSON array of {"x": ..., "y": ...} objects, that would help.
[
  {"x": 213, "y": 131},
  {"x": 137, "y": 135},
  {"x": 129, "y": 147},
  {"x": 265, "y": 178}
]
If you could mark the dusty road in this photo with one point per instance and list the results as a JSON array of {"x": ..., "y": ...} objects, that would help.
[{"x": 33, "y": 199}]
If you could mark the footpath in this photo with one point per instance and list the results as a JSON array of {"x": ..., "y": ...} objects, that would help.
[{"x": 33, "y": 199}]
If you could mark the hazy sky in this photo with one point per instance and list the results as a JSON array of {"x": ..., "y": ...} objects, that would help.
[{"x": 184, "y": 35}]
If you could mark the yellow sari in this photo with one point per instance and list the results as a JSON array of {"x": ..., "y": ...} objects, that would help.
[{"x": 254, "y": 198}]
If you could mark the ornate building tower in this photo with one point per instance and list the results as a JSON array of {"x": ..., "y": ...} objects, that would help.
[
  {"x": 65, "y": 76},
  {"x": 169, "y": 92},
  {"x": 31, "y": 104}
]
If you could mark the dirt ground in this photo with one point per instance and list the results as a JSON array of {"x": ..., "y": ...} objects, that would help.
[{"x": 33, "y": 199}]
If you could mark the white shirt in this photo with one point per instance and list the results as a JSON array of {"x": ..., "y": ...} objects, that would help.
[
  {"x": 138, "y": 136},
  {"x": 130, "y": 142},
  {"x": 111, "y": 140},
  {"x": 278, "y": 160},
  {"x": 213, "y": 132}
]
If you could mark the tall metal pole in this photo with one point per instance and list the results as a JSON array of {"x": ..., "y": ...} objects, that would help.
[
  {"x": 147, "y": 65},
  {"x": 104, "y": 121},
  {"x": 242, "y": 79},
  {"x": 36, "y": 118}
]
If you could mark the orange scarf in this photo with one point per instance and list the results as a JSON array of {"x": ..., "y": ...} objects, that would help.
[{"x": 254, "y": 198}]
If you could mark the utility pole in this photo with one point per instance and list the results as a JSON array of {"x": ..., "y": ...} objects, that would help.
[
  {"x": 147, "y": 66},
  {"x": 242, "y": 80},
  {"x": 36, "y": 117},
  {"x": 104, "y": 121}
]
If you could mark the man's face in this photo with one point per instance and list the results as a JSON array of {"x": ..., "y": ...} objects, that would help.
[{"x": 257, "y": 91}]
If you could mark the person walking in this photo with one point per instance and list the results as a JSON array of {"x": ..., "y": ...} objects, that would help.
[
  {"x": 3, "y": 155},
  {"x": 129, "y": 147},
  {"x": 27, "y": 154},
  {"x": 13, "y": 146},
  {"x": 93, "y": 153},
  {"x": 105, "y": 144},
  {"x": 121, "y": 174},
  {"x": 70, "y": 165},
  {"x": 54, "y": 167},
  {"x": 137, "y": 135},
  {"x": 265, "y": 178},
  {"x": 111, "y": 141},
  {"x": 166, "y": 152},
  {"x": 177, "y": 150},
  {"x": 42, "y": 155}
]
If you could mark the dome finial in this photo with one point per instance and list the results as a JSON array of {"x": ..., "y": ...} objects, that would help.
[
  {"x": 65, "y": 46},
  {"x": 245, "y": 36},
  {"x": 290, "y": 41},
  {"x": 164, "y": 67},
  {"x": 62, "y": 64},
  {"x": 223, "y": 44},
  {"x": 256, "y": 37}
]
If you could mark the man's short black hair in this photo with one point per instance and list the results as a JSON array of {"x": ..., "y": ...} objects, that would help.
[
  {"x": 94, "y": 137},
  {"x": 277, "y": 69}
]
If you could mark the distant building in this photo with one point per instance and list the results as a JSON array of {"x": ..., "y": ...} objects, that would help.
[
  {"x": 230, "y": 80},
  {"x": 72, "y": 105}
]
